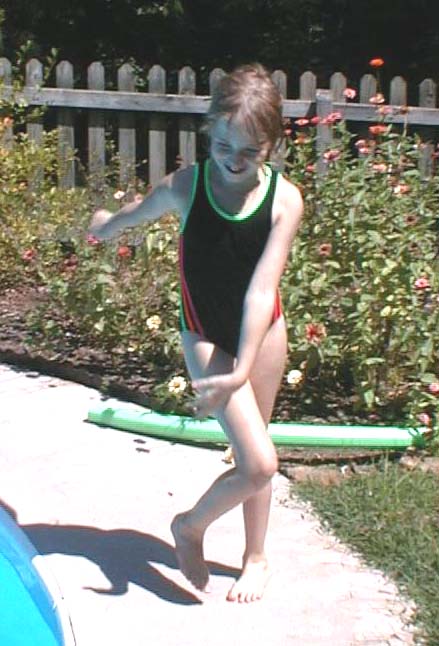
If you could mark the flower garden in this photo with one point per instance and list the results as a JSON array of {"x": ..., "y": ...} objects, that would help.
[{"x": 360, "y": 292}]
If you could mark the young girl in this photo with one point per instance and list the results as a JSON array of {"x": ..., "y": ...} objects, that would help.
[{"x": 238, "y": 220}]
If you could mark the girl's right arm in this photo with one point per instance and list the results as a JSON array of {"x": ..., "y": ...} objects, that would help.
[{"x": 168, "y": 196}]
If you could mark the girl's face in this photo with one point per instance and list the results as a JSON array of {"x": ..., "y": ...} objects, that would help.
[{"x": 236, "y": 153}]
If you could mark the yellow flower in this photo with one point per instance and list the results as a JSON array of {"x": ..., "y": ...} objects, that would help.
[
  {"x": 177, "y": 385},
  {"x": 294, "y": 377},
  {"x": 153, "y": 322}
]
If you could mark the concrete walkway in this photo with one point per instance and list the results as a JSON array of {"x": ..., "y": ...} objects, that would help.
[{"x": 97, "y": 504}]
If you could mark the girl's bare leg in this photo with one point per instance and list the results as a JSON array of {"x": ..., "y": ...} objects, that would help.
[
  {"x": 265, "y": 379},
  {"x": 256, "y": 464}
]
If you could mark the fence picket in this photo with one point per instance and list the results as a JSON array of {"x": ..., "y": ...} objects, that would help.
[
  {"x": 368, "y": 88},
  {"x": 66, "y": 131},
  {"x": 157, "y": 129},
  {"x": 96, "y": 129},
  {"x": 308, "y": 86},
  {"x": 126, "y": 82},
  {"x": 278, "y": 157},
  {"x": 214, "y": 77},
  {"x": 34, "y": 79},
  {"x": 187, "y": 134},
  {"x": 398, "y": 91},
  {"x": 427, "y": 99},
  {"x": 338, "y": 85},
  {"x": 7, "y": 138}
]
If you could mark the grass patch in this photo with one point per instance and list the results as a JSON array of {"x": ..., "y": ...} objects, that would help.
[{"x": 392, "y": 518}]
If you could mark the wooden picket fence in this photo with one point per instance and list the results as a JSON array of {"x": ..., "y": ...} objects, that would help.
[{"x": 124, "y": 105}]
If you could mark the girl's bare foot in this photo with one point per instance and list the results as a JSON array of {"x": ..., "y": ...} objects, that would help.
[
  {"x": 251, "y": 584},
  {"x": 189, "y": 550}
]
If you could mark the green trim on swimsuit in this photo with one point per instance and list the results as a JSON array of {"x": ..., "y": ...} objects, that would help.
[
  {"x": 237, "y": 216},
  {"x": 193, "y": 193}
]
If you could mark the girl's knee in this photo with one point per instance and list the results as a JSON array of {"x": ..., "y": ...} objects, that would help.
[{"x": 262, "y": 470}]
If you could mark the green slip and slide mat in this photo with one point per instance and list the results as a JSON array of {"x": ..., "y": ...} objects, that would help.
[{"x": 187, "y": 429}]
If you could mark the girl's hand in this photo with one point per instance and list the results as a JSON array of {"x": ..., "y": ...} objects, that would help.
[
  {"x": 100, "y": 219},
  {"x": 213, "y": 392}
]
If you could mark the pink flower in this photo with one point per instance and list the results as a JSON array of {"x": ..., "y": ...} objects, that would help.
[
  {"x": 314, "y": 121},
  {"x": 425, "y": 419},
  {"x": 311, "y": 168},
  {"x": 315, "y": 332},
  {"x": 332, "y": 155},
  {"x": 325, "y": 249},
  {"x": 379, "y": 168},
  {"x": 92, "y": 240},
  {"x": 385, "y": 110},
  {"x": 301, "y": 122},
  {"x": 349, "y": 93},
  {"x": 124, "y": 252},
  {"x": 377, "y": 99},
  {"x": 434, "y": 388},
  {"x": 29, "y": 255},
  {"x": 331, "y": 118},
  {"x": 422, "y": 283},
  {"x": 401, "y": 189}
]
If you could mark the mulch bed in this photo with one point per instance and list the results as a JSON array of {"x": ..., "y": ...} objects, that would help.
[{"x": 122, "y": 375}]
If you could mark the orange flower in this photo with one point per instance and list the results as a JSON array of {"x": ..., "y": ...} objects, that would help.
[
  {"x": 376, "y": 62},
  {"x": 378, "y": 129},
  {"x": 315, "y": 332}
]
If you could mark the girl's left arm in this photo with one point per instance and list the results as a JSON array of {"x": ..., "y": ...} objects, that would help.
[{"x": 260, "y": 298}]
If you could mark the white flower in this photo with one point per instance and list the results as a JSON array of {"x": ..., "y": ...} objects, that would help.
[
  {"x": 153, "y": 322},
  {"x": 119, "y": 195},
  {"x": 294, "y": 377},
  {"x": 177, "y": 385}
]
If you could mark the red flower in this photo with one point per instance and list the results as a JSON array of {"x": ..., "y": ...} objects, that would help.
[
  {"x": 124, "y": 252},
  {"x": 378, "y": 129},
  {"x": 315, "y": 332},
  {"x": 92, "y": 240},
  {"x": 331, "y": 118},
  {"x": 28, "y": 255},
  {"x": 376, "y": 62}
]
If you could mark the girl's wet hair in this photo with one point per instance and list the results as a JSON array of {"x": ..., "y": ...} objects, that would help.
[{"x": 249, "y": 96}]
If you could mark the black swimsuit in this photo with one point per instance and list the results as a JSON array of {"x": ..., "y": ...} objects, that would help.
[{"x": 218, "y": 254}]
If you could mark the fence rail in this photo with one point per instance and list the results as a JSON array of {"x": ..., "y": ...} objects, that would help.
[{"x": 126, "y": 104}]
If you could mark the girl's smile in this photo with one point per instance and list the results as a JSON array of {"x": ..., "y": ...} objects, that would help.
[{"x": 236, "y": 154}]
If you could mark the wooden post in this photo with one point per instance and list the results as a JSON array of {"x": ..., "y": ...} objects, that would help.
[
  {"x": 427, "y": 99},
  {"x": 96, "y": 130},
  {"x": 34, "y": 127},
  {"x": 214, "y": 78},
  {"x": 278, "y": 156},
  {"x": 66, "y": 132},
  {"x": 324, "y": 106},
  {"x": 157, "y": 129},
  {"x": 7, "y": 137},
  {"x": 187, "y": 137},
  {"x": 126, "y": 82}
]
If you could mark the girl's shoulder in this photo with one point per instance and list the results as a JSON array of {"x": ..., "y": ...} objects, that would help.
[
  {"x": 288, "y": 198},
  {"x": 183, "y": 182}
]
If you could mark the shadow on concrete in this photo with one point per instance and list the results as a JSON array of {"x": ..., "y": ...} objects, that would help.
[{"x": 123, "y": 555}]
